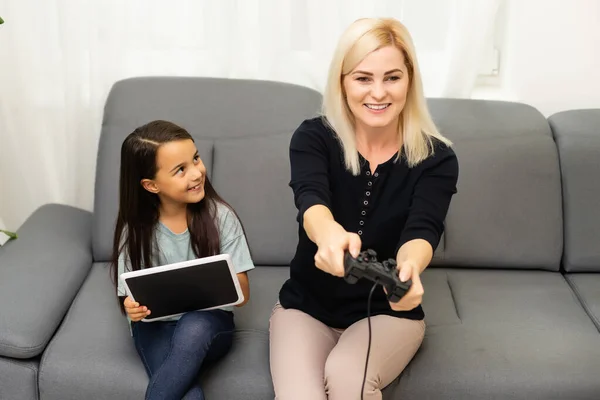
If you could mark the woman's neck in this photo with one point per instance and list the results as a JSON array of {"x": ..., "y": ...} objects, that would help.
[{"x": 376, "y": 140}]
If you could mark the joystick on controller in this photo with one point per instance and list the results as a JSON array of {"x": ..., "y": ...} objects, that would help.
[{"x": 385, "y": 273}]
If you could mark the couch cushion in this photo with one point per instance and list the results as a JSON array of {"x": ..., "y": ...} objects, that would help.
[
  {"x": 514, "y": 335},
  {"x": 265, "y": 283},
  {"x": 93, "y": 356},
  {"x": 244, "y": 372},
  {"x": 18, "y": 379},
  {"x": 469, "y": 118},
  {"x": 252, "y": 174},
  {"x": 210, "y": 109},
  {"x": 587, "y": 289},
  {"x": 577, "y": 135},
  {"x": 40, "y": 274},
  {"x": 507, "y": 212}
]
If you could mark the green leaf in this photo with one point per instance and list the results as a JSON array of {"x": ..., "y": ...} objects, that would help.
[
  {"x": 11, "y": 235},
  {"x": 1, "y": 21}
]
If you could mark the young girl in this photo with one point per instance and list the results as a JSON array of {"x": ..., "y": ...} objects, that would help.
[{"x": 169, "y": 212}]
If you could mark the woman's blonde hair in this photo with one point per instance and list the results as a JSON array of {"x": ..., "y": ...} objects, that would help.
[{"x": 416, "y": 127}]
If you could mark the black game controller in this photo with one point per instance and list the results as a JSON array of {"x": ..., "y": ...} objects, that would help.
[{"x": 385, "y": 273}]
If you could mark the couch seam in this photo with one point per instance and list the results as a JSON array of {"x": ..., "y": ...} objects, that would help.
[
  {"x": 582, "y": 301},
  {"x": 445, "y": 242},
  {"x": 563, "y": 209},
  {"x": 25, "y": 348},
  {"x": 36, "y": 383},
  {"x": 16, "y": 363},
  {"x": 36, "y": 375},
  {"x": 453, "y": 298},
  {"x": 251, "y": 330}
]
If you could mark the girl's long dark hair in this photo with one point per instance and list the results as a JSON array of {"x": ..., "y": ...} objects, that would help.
[{"x": 139, "y": 209}]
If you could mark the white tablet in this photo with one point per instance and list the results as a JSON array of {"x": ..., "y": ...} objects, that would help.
[{"x": 171, "y": 290}]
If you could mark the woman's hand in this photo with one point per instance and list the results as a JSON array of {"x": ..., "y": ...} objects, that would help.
[
  {"x": 414, "y": 296},
  {"x": 134, "y": 310},
  {"x": 332, "y": 244}
]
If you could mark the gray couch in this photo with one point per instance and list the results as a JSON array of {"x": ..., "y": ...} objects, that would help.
[{"x": 512, "y": 299}]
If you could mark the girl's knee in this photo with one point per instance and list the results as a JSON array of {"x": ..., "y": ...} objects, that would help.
[{"x": 197, "y": 327}]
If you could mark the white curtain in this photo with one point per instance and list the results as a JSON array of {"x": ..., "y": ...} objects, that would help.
[{"x": 59, "y": 58}]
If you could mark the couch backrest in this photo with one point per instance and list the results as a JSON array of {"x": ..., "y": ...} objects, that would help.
[
  {"x": 242, "y": 130},
  {"x": 507, "y": 212},
  {"x": 577, "y": 134}
]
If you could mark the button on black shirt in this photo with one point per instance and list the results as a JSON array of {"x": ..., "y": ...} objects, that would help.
[{"x": 388, "y": 208}]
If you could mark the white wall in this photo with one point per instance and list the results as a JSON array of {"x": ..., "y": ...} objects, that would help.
[
  {"x": 49, "y": 123},
  {"x": 50, "y": 114},
  {"x": 551, "y": 56}
]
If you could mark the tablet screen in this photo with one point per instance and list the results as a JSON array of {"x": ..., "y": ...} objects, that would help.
[{"x": 184, "y": 289}]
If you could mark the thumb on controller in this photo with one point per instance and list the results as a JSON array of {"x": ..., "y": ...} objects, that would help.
[
  {"x": 354, "y": 244},
  {"x": 406, "y": 271}
]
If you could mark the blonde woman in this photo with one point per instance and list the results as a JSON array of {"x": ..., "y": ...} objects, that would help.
[{"x": 372, "y": 173}]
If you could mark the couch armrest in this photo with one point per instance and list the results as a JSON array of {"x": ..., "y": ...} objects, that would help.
[{"x": 40, "y": 274}]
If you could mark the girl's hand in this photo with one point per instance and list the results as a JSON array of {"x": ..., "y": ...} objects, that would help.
[
  {"x": 134, "y": 310},
  {"x": 331, "y": 248},
  {"x": 414, "y": 296}
]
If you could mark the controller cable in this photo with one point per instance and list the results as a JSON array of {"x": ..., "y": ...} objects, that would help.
[{"x": 362, "y": 390}]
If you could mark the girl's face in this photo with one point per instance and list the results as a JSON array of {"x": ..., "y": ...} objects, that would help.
[
  {"x": 180, "y": 175},
  {"x": 376, "y": 89}
]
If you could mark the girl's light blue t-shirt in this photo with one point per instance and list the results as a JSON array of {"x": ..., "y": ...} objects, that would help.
[{"x": 174, "y": 247}]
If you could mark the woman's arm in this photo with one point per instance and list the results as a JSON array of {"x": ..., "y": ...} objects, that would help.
[
  {"x": 428, "y": 208},
  {"x": 331, "y": 239},
  {"x": 418, "y": 252},
  {"x": 316, "y": 221},
  {"x": 309, "y": 165},
  {"x": 309, "y": 162},
  {"x": 424, "y": 226}
]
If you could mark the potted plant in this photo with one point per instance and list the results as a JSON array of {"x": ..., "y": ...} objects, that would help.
[{"x": 5, "y": 236}]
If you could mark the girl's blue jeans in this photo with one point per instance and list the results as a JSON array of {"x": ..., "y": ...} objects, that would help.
[{"x": 174, "y": 351}]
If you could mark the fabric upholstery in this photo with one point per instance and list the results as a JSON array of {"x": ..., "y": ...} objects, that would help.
[
  {"x": 40, "y": 274},
  {"x": 93, "y": 355},
  {"x": 252, "y": 174},
  {"x": 586, "y": 287},
  {"x": 508, "y": 210},
  {"x": 18, "y": 379},
  {"x": 577, "y": 135},
  {"x": 514, "y": 335}
]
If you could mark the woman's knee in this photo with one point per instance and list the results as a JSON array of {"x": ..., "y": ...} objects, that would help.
[{"x": 344, "y": 373}]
